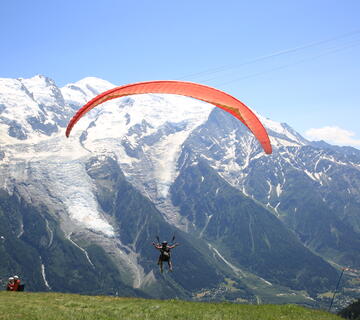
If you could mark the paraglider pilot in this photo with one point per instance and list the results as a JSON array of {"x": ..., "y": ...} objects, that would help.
[
  {"x": 165, "y": 255},
  {"x": 14, "y": 284}
]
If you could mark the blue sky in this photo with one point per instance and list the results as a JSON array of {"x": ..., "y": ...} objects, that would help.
[{"x": 314, "y": 84}]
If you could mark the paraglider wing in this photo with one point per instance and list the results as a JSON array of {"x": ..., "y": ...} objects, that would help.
[{"x": 194, "y": 90}]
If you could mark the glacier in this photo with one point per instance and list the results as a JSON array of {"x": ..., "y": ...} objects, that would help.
[
  {"x": 55, "y": 165},
  {"x": 152, "y": 138}
]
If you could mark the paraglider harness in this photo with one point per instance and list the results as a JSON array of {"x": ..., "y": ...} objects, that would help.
[
  {"x": 164, "y": 249},
  {"x": 164, "y": 253},
  {"x": 21, "y": 287}
]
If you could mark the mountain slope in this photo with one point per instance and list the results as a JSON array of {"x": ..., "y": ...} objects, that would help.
[
  {"x": 250, "y": 235},
  {"x": 313, "y": 190},
  {"x": 150, "y": 165}
]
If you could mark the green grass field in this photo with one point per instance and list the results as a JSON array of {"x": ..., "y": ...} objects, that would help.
[{"x": 57, "y": 306}]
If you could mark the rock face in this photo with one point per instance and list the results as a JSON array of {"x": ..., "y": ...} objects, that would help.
[{"x": 83, "y": 211}]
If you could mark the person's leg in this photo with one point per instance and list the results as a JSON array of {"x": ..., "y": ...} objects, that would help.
[
  {"x": 170, "y": 265},
  {"x": 161, "y": 266}
]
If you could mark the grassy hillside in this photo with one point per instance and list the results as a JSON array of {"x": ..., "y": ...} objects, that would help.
[{"x": 57, "y": 306}]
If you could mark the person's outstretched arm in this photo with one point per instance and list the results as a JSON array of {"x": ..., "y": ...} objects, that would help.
[{"x": 156, "y": 245}]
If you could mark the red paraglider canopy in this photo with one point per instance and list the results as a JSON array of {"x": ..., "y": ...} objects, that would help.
[{"x": 194, "y": 90}]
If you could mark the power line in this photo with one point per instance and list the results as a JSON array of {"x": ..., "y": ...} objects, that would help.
[
  {"x": 269, "y": 56},
  {"x": 335, "y": 50}
]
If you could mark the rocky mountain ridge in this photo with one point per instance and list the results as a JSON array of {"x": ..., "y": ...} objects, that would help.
[{"x": 180, "y": 160}]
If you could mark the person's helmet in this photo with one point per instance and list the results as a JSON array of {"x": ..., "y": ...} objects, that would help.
[
  {"x": 164, "y": 243},
  {"x": 11, "y": 279},
  {"x": 16, "y": 277}
]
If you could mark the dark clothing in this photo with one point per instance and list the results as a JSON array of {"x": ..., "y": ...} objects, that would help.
[{"x": 165, "y": 254}]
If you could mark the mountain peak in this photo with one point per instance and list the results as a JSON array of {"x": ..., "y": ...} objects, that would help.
[
  {"x": 39, "y": 80},
  {"x": 93, "y": 82},
  {"x": 198, "y": 165},
  {"x": 78, "y": 93}
]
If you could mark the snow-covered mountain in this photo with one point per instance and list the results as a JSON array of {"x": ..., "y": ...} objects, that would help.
[
  {"x": 145, "y": 133},
  {"x": 150, "y": 144}
]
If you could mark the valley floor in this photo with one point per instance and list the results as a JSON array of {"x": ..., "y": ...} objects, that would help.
[{"x": 59, "y": 306}]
